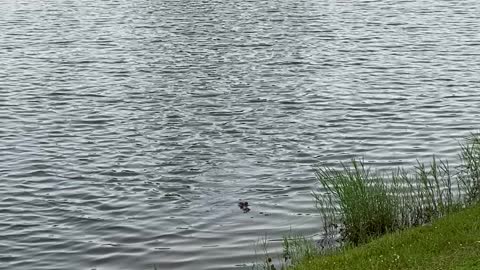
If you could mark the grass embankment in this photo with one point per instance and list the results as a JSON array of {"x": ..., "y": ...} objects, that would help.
[
  {"x": 452, "y": 242},
  {"x": 359, "y": 206}
]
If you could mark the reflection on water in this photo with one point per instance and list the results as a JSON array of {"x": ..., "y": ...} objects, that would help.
[{"x": 131, "y": 130}]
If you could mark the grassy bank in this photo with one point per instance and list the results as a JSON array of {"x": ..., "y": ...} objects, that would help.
[
  {"x": 452, "y": 242},
  {"x": 430, "y": 215}
]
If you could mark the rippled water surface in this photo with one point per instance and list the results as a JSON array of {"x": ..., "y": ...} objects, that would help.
[{"x": 129, "y": 130}]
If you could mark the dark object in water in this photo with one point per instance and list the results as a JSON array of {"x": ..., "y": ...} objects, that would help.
[{"x": 244, "y": 206}]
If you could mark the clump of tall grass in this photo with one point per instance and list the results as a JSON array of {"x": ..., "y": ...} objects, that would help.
[
  {"x": 361, "y": 204},
  {"x": 361, "y": 201},
  {"x": 470, "y": 168}
]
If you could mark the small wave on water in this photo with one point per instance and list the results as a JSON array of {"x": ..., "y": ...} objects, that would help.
[{"x": 130, "y": 131}]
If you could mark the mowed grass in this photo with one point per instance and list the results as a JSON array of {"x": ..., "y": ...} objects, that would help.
[{"x": 451, "y": 242}]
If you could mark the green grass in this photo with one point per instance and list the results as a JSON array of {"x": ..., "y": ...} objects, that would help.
[
  {"x": 361, "y": 204},
  {"x": 452, "y": 242}
]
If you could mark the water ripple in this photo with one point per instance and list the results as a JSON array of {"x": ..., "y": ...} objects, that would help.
[{"x": 130, "y": 130}]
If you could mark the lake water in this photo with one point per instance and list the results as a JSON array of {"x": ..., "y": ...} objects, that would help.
[{"x": 130, "y": 130}]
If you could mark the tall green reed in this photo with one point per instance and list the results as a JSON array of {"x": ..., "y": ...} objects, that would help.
[
  {"x": 361, "y": 204},
  {"x": 470, "y": 168}
]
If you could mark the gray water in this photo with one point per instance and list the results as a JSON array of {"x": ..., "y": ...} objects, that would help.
[{"x": 129, "y": 130}]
